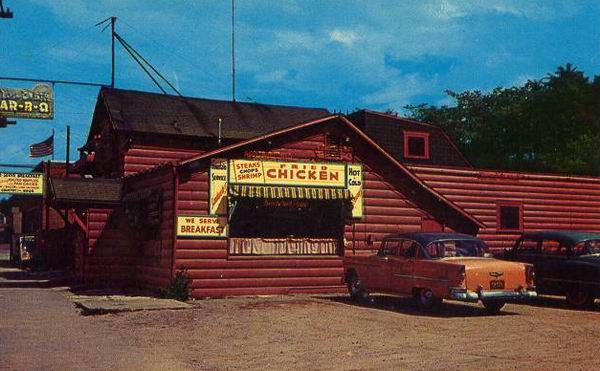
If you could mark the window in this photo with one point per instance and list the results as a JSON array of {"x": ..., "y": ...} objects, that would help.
[
  {"x": 409, "y": 249},
  {"x": 527, "y": 247},
  {"x": 509, "y": 216},
  {"x": 389, "y": 248},
  {"x": 416, "y": 145},
  {"x": 587, "y": 248},
  {"x": 553, "y": 248}
]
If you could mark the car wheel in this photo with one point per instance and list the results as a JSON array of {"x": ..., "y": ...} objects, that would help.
[
  {"x": 427, "y": 300},
  {"x": 356, "y": 289},
  {"x": 493, "y": 306},
  {"x": 580, "y": 298}
]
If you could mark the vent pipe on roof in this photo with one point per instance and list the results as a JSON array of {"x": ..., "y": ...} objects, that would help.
[{"x": 219, "y": 138}]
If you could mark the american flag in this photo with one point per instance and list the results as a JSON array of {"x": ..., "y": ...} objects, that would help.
[{"x": 41, "y": 149}]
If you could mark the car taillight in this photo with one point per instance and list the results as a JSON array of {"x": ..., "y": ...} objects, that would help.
[{"x": 530, "y": 274}]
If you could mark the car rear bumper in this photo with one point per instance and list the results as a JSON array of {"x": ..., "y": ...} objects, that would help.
[{"x": 475, "y": 296}]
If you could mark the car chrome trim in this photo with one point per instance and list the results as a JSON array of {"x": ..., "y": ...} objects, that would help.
[
  {"x": 472, "y": 296},
  {"x": 419, "y": 277}
]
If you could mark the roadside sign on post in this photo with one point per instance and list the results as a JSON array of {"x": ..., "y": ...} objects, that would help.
[
  {"x": 35, "y": 103},
  {"x": 22, "y": 183}
]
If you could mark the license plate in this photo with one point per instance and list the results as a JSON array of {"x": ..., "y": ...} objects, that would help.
[{"x": 496, "y": 284}]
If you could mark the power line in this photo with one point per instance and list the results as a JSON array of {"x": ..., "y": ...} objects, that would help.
[
  {"x": 177, "y": 53},
  {"x": 66, "y": 82},
  {"x": 18, "y": 166}
]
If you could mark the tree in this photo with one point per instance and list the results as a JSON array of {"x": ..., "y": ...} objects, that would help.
[{"x": 551, "y": 124}]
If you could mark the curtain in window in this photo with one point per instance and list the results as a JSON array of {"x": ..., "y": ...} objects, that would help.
[{"x": 283, "y": 246}]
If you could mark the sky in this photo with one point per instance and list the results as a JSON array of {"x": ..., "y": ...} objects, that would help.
[{"x": 336, "y": 54}]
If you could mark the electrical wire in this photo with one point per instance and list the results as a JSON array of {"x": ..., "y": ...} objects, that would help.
[
  {"x": 126, "y": 44},
  {"x": 177, "y": 53}
]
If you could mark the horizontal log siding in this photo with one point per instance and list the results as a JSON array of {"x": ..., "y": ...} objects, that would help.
[
  {"x": 214, "y": 274},
  {"x": 549, "y": 201},
  {"x": 118, "y": 256},
  {"x": 139, "y": 158},
  {"x": 110, "y": 257},
  {"x": 154, "y": 260}
]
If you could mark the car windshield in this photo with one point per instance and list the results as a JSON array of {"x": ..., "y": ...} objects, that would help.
[
  {"x": 589, "y": 247},
  {"x": 455, "y": 248}
]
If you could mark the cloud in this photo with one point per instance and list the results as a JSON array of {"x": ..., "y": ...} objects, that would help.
[
  {"x": 398, "y": 92},
  {"x": 272, "y": 76},
  {"x": 344, "y": 37},
  {"x": 447, "y": 10}
]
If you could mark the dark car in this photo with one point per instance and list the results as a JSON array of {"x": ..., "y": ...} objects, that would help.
[{"x": 566, "y": 263}]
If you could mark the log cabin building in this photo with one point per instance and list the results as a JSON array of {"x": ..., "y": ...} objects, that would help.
[{"x": 249, "y": 198}]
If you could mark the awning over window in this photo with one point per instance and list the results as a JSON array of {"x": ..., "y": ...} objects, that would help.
[{"x": 310, "y": 193}]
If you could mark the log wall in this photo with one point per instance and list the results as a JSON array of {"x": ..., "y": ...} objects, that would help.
[
  {"x": 550, "y": 201},
  {"x": 214, "y": 273},
  {"x": 117, "y": 254},
  {"x": 139, "y": 158}
]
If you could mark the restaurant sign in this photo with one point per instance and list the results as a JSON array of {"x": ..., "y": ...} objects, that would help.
[
  {"x": 22, "y": 183},
  {"x": 287, "y": 173},
  {"x": 218, "y": 187},
  {"x": 201, "y": 226},
  {"x": 355, "y": 186},
  {"x": 35, "y": 103}
]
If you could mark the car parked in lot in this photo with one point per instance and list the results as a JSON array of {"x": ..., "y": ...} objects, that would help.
[
  {"x": 566, "y": 263},
  {"x": 436, "y": 266}
]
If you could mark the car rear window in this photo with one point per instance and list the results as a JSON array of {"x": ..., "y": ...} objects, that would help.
[{"x": 454, "y": 248}]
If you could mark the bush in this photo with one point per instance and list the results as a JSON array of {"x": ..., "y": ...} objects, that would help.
[{"x": 179, "y": 289}]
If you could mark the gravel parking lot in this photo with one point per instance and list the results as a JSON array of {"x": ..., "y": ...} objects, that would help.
[{"x": 41, "y": 329}]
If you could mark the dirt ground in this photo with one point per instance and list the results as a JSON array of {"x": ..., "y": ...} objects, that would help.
[{"x": 41, "y": 330}]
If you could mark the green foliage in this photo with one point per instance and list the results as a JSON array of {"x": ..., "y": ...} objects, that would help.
[
  {"x": 179, "y": 289},
  {"x": 551, "y": 124}
]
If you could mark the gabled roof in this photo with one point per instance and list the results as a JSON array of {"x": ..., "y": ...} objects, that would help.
[
  {"x": 194, "y": 163},
  {"x": 151, "y": 113},
  {"x": 388, "y": 131}
]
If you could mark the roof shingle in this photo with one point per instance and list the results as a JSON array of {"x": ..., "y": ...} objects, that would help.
[
  {"x": 144, "y": 112},
  {"x": 86, "y": 191}
]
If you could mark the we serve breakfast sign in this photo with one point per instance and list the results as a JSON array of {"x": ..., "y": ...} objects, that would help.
[
  {"x": 22, "y": 183},
  {"x": 201, "y": 226},
  {"x": 287, "y": 173}
]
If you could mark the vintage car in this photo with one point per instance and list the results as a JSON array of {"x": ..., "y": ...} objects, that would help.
[
  {"x": 435, "y": 266},
  {"x": 566, "y": 263}
]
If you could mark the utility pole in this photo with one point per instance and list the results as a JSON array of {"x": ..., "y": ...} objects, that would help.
[
  {"x": 113, "y": 20},
  {"x": 68, "y": 150},
  {"x": 233, "y": 50}
]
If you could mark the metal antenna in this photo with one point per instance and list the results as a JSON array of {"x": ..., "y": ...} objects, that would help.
[{"x": 113, "y": 21}]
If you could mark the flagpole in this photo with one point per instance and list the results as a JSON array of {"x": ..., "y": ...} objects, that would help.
[
  {"x": 68, "y": 149},
  {"x": 52, "y": 144}
]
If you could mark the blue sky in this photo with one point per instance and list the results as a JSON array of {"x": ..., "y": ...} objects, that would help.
[{"x": 335, "y": 54}]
